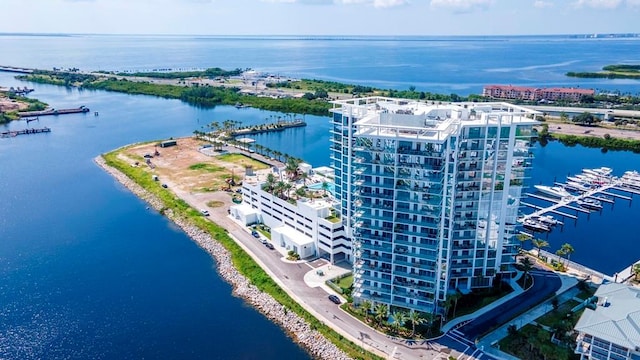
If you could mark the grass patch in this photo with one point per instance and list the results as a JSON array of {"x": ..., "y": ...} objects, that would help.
[
  {"x": 555, "y": 316},
  {"x": 206, "y": 167},
  {"x": 534, "y": 342},
  {"x": 243, "y": 160},
  {"x": 240, "y": 259},
  {"x": 585, "y": 294},
  {"x": 345, "y": 282},
  {"x": 478, "y": 299}
]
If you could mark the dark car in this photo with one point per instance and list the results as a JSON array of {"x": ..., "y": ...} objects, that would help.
[
  {"x": 335, "y": 299},
  {"x": 164, "y": 186},
  {"x": 269, "y": 245},
  {"x": 255, "y": 234}
]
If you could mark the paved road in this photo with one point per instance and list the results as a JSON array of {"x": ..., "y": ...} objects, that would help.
[{"x": 545, "y": 284}]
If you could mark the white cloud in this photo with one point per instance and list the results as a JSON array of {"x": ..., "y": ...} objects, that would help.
[
  {"x": 598, "y": 4},
  {"x": 374, "y": 3},
  {"x": 541, "y": 4},
  {"x": 462, "y": 5}
]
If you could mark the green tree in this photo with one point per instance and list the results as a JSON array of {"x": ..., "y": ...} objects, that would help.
[
  {"x": 366, "y": 307},
  {"x": 380, "y": 313},
  {"x": 527, "y": 266},
  {"x": 325, "y": 187},
  {"x": 398, "y": 319},
  {"x": 636, "y": 271},
  {"x": 415, "y": 318},
  {"x": 452, "y": 301},
  {"x": 567, "y": 249},
  {"x": 539, "y": 244}
]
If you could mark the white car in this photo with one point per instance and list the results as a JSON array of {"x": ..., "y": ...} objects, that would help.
[{"x": 204, "y": 212}]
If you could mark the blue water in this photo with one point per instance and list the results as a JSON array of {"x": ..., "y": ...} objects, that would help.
[{"x": 86, "y": 271}]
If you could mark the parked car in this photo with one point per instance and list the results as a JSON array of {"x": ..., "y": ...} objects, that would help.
[
  {"x": 255, "y": 234},
  {"x": 335, "y": 299},
  {"x": 165, "y": 186},
  {"x": 204, "y": 212},
  {"x": 269, "y": 245}
]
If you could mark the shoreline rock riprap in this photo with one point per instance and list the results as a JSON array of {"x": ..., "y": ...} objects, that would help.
[{"x": 297, "y": 327}]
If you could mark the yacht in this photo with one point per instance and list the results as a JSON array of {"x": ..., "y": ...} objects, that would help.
[
  {"x": 601, "y": 171},
  {"x": 591, "y": 204},
  {"x": 547, "y": 220},
  {"x": 535, "y": 225},
  {"x": 577, "y": 186},
  {"x": 555, "y": 191}
]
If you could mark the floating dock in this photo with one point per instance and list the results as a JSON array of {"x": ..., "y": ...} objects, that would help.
[
  {"x": 81, "y": 109},
  {"x": 25, "y": 132},
  {"x": 16, "y": 69},
  {"x": 598, "y": 192}
]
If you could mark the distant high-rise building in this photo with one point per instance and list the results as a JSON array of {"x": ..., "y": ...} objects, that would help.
[{"x": 429, "y": 194}]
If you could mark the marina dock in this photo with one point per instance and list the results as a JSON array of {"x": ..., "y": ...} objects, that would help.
[
  {"x": 16, "y": 69},
  {"x": 596, "y": 191},
  {"x": 25, "y": 132},
  {"x": 81, "y": 109},
  {"x": 259, "y": 129}
]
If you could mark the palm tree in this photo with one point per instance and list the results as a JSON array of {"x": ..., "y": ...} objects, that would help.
[
  {"x": 568, "y": 250},
  {"x": 280, "y": 187},
  {"x": 325, "y": 187},
  {"x": 539, "y": 244},
  {"x": 636, "y": 271},
  {"x": 304, "y": 176},
  {"x": 452, "y": 299},
  {"x": 523, "y": 238},
  {"x": 287, "y": 188},
  {"x": 380, "y": 313},
  {"x": 398, "y": 318},
  {"x": 292, "y": 167},
  {"x": 366, "y": 307},
  {"x": 269, "y": 184},
  {"x": 527, "y": 266},
  {"x": 416, "y": 319}
]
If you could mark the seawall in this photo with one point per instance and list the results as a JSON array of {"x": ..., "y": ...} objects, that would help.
[{"x": 315, "y": 343}]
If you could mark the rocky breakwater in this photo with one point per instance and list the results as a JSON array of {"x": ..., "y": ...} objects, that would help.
[{"x": 296, "y": 326}]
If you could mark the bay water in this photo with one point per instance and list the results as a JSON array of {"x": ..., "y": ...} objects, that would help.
[{"x": 87, "y": 271}]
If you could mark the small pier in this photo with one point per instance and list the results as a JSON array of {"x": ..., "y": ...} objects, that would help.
[
  {"x": 14, "y": 133},
  {"x": 81, "y": 109},
  {"x": 265, "y": 128},
  {"x": 16, "y": 69},
  {"x": 598, "y": 193}
]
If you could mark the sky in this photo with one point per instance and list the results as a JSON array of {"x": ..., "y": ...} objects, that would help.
[{"x": 321, "y": 17}]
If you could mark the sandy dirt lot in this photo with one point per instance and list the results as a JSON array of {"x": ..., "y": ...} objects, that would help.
[
  {"x": 192, "y": 174},
  {"x": 572, "y": 129},
  {"x": 7, "y": 104}
]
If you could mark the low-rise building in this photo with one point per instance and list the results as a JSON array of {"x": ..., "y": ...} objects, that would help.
[
  {"x": 612, "y": 330},
  {"x": 309, "y": 226},
  {"x": 535, "y": 94}
]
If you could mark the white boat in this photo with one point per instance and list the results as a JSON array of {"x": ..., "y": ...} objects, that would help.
[
  {"x": 547, "y": 220},
  {"x": 535, "y": 225},
  {"x": 571, "y": 185},
  {"x": 591, "y": 204},
  {"x": 555, "y": 191},
  {"x": 601, "y": 171}
]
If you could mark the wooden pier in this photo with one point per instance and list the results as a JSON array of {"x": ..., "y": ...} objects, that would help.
[
  {"x": 25, "y": 132},
  {"x": 81, "y": 109}
]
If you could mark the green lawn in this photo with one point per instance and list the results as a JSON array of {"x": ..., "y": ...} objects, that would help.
[
  {"x": 243, "y": 160},
  {"x": 555, "y": 316},
  {"x": 206, "y": 167},
  {"x": 345, "y": 282}
]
